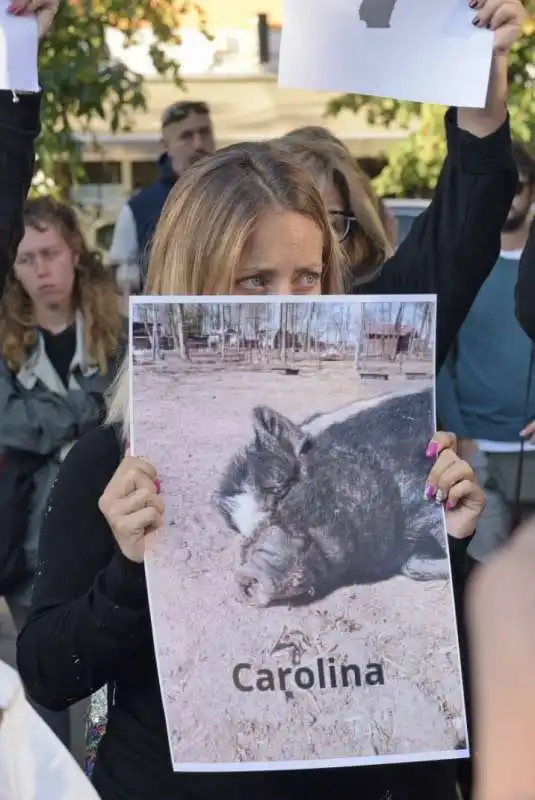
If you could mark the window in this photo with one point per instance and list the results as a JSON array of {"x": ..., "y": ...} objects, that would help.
[
  {"x": 102, "y": 172},
  {"x": 143, "y": 173}
]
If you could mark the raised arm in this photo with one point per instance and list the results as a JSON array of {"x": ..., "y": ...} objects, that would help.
[
  {"x": 19, "y": 128},
  {"x": 454, "y": 245}
]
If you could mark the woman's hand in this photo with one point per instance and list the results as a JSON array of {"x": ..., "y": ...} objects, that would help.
[
  {"x": 132, "y": 506},
  {"x": 505, "y": 17},
  {"x": 452, "y": 481},
  {"x": 44, "y": 10}
]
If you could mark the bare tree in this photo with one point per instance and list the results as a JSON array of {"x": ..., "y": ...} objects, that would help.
[
  {"x": 176, "y": 323},
  {"x": 283, "y": 328}
]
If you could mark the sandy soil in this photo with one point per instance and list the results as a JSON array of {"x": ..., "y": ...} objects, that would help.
[{"x": 189, "y": 423}]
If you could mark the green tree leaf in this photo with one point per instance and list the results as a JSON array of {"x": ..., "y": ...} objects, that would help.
[{"x": 81, "y": 83}]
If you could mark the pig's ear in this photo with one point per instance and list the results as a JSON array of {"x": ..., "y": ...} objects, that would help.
[{"x": 273, "y": 432}]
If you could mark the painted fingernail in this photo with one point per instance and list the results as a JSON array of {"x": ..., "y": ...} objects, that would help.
[
  {"x": 472, "y": 3},
  {"x": 431, "y": 450},
  {"x": 430, "y": 491},
  {"x": 475, "y": 21},
  {"x": 158, "y": 486},
  {"x": 439, "y": 497},
  {"x": 450, "y": 504}
]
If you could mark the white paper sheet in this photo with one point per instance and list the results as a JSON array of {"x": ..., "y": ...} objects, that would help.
[
  {"x": 19, "y": 47},
  {"x": 430, "y": 53}
]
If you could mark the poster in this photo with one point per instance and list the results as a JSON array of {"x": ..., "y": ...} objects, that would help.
[
  {"x": 300, "y": 593},
  {"x": 18, "y": 51},
  {"x": 405, "y": 49}
]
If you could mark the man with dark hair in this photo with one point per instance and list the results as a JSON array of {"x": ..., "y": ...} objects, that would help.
[
  {"x": 187, "y": 136},
  {"x": 486, "y": 390}
]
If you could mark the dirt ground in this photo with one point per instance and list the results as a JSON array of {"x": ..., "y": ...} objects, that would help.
[{"x": 189, "y": 422}]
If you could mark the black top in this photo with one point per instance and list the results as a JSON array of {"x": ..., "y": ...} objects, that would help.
[
  {"x": 85, "y": 630},
  {"x": 60, "y": 349},
  {"x": 525, "y": 287},
  {"x": 453, "y": 246},
  {"x": 19, "y": 127}
]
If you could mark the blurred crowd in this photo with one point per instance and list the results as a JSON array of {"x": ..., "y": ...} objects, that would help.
[{"x": 295, "y": 216}]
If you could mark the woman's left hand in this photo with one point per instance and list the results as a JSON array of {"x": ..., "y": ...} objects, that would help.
[
  {"x": 452, "y": 482},
  {"x": 505, "y": 17}
]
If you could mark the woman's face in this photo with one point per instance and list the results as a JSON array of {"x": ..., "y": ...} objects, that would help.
[
  {"x": 45, "y": 266},
  {"x": 285, "y": 257}
]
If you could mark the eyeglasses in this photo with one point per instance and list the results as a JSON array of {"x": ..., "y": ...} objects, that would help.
[
  {"x": 179, "y": 111},
  {"x": 341, "y": 224}
]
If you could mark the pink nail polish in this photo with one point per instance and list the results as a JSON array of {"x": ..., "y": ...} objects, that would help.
[
  {"x": 431, "y": 450},
  {"x": 430, "y": 491},
  {"x": 450, "y": 505},
  {"x": 158, "y": 486}
]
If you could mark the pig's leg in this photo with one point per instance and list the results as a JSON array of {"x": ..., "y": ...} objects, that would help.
[{"x": 420, "y": 568}]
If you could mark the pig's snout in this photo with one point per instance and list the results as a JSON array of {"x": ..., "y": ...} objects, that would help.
[{"x": 254, "y": 586}]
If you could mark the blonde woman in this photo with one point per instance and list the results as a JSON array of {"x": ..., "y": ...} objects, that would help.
[{"x": 248, "y": 220}]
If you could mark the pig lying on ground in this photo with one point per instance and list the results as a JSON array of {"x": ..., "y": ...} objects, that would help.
[{"x": 334, "y": 501}]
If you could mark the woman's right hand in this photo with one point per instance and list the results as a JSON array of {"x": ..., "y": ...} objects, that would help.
[
  {"x": 44, "y": 10},
  {"x": 132, "y": 506}
]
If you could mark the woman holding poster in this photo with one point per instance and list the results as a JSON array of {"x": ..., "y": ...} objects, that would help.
[{"x": 99, "y": 611}]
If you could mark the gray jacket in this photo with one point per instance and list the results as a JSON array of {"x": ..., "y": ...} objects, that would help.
[{"x": 38, "y": 414}]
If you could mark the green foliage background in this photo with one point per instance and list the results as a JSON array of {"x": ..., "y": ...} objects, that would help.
[{"x": 81, "y": 83}]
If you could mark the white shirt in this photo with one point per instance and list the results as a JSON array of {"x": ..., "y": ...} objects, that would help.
[{"x": 34, "y": 765}]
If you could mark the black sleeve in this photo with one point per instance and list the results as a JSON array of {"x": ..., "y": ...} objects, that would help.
[
  {"x": 453, "y": 246},
  {"x": 525, "y": 287},
  {"x": 19, "y": 127},
  {"x": 90, "y": 609}
]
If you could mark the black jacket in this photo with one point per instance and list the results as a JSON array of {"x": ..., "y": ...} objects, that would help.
[
  {"x": 19, "y": 128},
  {"x": 525, "y": 287}
]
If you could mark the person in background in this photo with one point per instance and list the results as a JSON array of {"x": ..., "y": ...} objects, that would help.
[
  {"x": 525, "y": 289},
  {"x": 501, "y": 599},
  {"x": 348, "y": 195},
  {"x": 482, "y": 391},
  {"x": 187, "y": 136},
  {"x": 61, "y": 334},
  {"x": 34, "y": 765}
]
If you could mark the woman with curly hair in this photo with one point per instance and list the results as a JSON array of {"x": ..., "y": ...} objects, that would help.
[{"x": 61, "y": 335}]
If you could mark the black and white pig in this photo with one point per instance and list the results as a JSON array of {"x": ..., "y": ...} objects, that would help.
[{"x": 334, "y": 501}]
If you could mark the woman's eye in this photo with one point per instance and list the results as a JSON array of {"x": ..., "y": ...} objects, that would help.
[
  {"x": 310, "y": 279},
  {"x": 252, "y": 284}
]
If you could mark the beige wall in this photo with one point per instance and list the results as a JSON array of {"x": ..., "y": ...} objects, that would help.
[
  {"x": 243, "y": 108},
  {"x": 239, "y": 13}
]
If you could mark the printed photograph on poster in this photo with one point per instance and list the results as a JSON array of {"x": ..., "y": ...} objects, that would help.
[{"x": 300, "y": 593}]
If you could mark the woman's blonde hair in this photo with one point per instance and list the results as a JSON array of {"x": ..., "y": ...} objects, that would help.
[
  {"x": 208, "y": 220},
  {"x": 94, "y": 293},
  {"x": 330, "y": 162},
  {"x": 212, "y": 212}
]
